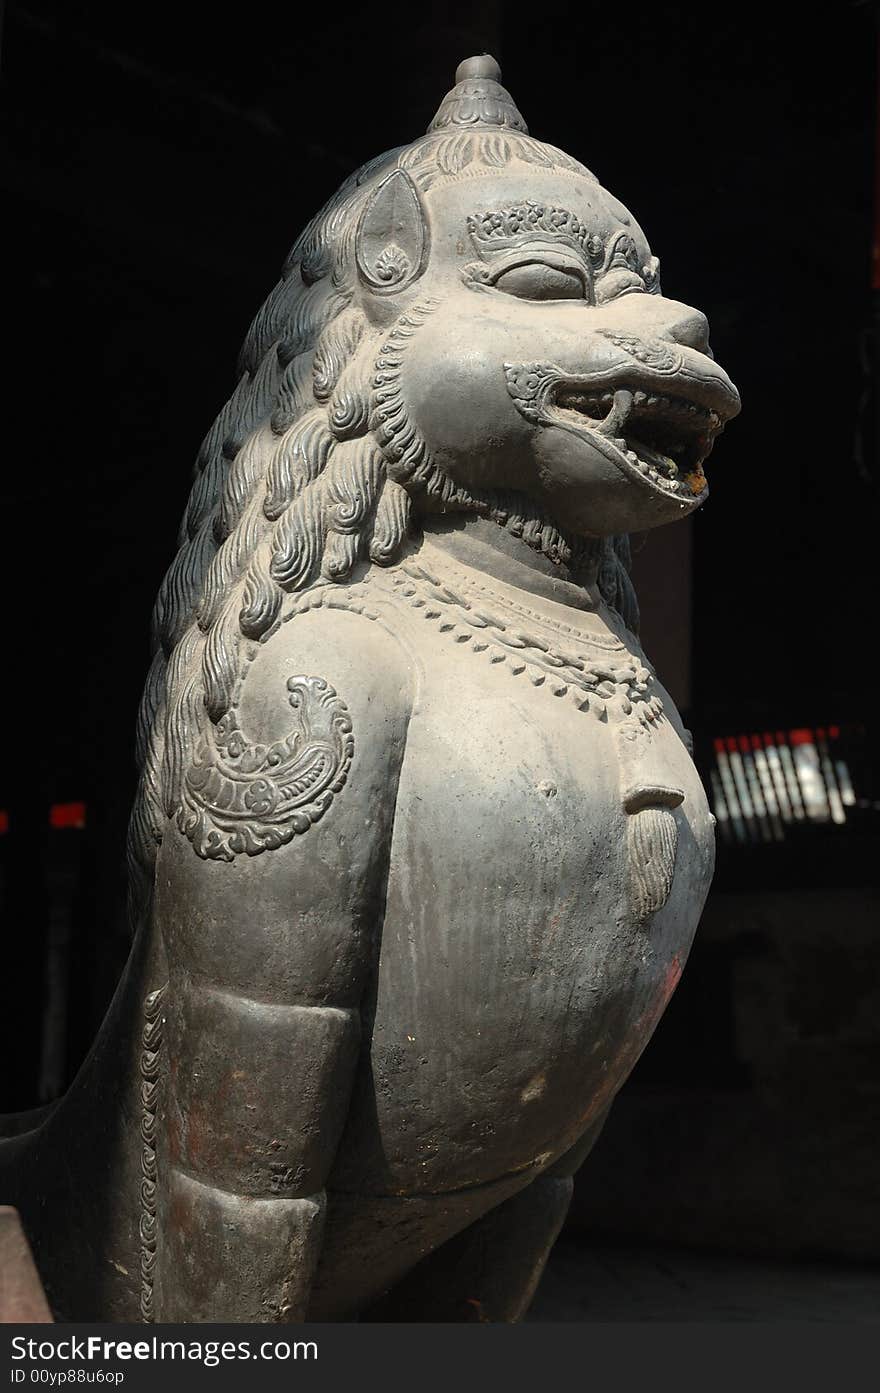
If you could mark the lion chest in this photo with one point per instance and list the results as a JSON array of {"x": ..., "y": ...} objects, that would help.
[{"x": 518, "y": 979}]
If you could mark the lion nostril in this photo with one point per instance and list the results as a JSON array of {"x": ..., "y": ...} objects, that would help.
[{"x": 692, "y": 330}]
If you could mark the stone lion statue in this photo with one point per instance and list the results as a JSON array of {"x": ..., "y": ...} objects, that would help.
[{"x": 419, "y": 849}]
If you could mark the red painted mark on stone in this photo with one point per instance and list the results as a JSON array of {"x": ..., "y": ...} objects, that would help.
[
  {"x": 671, "y": 979},
  {"x": 644, "y": 1026}
]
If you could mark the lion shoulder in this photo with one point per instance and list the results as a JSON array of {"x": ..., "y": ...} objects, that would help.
[{"x": 338, "y": 651}]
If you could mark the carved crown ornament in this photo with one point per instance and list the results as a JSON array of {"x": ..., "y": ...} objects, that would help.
[{"x": 504, "y": 227}]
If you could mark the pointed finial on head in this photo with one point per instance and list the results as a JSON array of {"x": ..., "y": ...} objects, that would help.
[
  {"x": 478, "y": 99},
  {"x": 481, "y": 65}
]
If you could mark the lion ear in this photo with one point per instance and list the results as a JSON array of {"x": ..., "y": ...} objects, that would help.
[{"x": 392, "y": 236}]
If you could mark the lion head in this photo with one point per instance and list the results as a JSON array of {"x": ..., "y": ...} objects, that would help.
[{"x": 472, "y": 324}]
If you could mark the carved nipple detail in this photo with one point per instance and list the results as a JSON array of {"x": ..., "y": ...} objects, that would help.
[{"x": 652, "y": 844}]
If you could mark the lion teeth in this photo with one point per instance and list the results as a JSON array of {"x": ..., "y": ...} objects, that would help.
[{"x": 620, "y": 409}]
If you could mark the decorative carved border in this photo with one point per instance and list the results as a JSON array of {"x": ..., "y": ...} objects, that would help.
[{"x": 151, "y": 1077}]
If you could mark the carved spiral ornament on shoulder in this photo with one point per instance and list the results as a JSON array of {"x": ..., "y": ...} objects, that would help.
[{"x": 240, "y": 796}]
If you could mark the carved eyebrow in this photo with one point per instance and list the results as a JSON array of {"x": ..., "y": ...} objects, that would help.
[{"x": 499, "y": 228}]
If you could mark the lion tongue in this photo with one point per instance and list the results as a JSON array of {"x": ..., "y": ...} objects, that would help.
[{"x": 616, "y": 419}]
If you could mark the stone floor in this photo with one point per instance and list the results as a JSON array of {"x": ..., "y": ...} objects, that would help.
[{"x": 589, "y": 1282}]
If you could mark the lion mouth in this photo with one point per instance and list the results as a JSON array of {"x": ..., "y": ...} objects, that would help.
[{"x": 663, "y": 440}]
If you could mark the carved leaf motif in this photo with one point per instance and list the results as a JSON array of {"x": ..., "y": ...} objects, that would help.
[
  {"x": 244, "y": 797},
  {"x": 392, "y": 265}
]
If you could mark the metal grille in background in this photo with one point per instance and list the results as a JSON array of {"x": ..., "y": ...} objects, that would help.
[{"x": 767, "y": 785}]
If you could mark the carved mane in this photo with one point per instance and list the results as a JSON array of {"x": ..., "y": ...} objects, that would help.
[{"x": 310, "y": 467}]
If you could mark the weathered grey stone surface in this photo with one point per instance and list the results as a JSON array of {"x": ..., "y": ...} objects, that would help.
[{"x": 419, "y": 848}]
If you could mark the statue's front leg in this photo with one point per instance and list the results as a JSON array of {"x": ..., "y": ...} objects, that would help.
[
  {"x": 256, "y": 1100},
  {"x": 269, "y": 956}
]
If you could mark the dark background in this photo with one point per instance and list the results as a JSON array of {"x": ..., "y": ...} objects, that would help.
[{"x": 157, "y": 165}]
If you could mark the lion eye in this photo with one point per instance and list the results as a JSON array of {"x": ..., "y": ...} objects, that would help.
[
  {"x": 537, "y": 281},
  {"x": 615, "y": 283}
]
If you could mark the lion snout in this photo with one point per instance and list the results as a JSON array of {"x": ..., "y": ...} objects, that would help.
[{"x": 691, "y": 329}]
